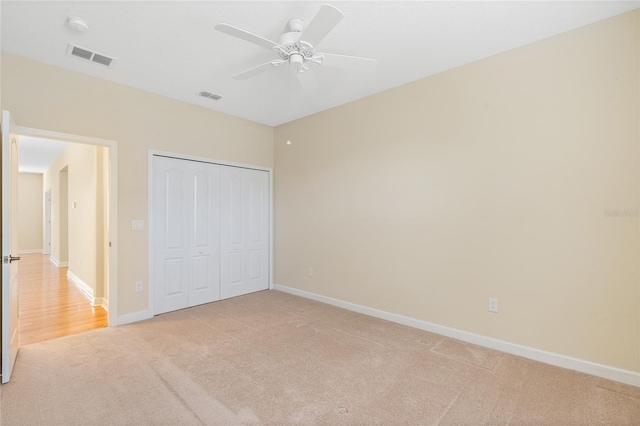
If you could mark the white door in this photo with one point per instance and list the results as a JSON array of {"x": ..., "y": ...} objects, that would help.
[
  {"x": 204, "y": 233},
  {"x": 244, "y": 231},
  {"x": 10, "y": 320},
  {"x": 47, "y": 223},
  {"x": 186, "y": 233}
]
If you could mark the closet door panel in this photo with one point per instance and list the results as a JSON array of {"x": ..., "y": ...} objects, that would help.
[
  {"x": 170, "y": 230},
  {"x": 204, "y": 234},
  {"x": 244, "y": 231}
]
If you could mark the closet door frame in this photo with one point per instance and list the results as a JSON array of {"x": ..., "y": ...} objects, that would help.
[{"x": 150, "y": 224}]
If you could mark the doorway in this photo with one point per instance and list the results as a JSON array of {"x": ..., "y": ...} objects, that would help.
[
  {"x": 63, "y": 292},
  {"x": 104, "y": 210}
]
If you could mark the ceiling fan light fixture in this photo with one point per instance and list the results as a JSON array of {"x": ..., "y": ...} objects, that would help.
[
  {"x": 77, "y": 24},
  {"x": 297, "y": 61}
]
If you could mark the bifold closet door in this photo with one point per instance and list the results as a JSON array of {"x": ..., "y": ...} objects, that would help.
[
  {"x": 244, "y": 231},
  {"x": 186, "y": 269}
]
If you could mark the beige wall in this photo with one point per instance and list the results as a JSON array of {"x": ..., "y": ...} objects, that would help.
[
  {"x": 56, "y": 179},
  {"x": 102, "y": 221},
  {"x": 83, "y": 224},
  {"x": 76, "y": 179},
  {"x": 30, "y": 210},
  {"x": 46, "y": 97},
  {"x": 489, "y": 180},
  {"x": 60, "y": 222}
]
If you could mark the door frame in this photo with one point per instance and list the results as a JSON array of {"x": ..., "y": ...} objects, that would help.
[
  {"x": 46, "y": 245},
  {"x": 154, "y": 152},
  {"x": 111, "y": 253}
]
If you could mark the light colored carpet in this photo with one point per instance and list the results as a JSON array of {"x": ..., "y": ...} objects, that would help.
[{"x": 274, "y": 358}]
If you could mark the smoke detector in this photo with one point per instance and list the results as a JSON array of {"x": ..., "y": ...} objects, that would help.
[{"x": 77, "y": 24}]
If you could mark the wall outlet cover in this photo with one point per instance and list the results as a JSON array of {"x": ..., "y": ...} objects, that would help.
[{"x": 493, "y": 305}]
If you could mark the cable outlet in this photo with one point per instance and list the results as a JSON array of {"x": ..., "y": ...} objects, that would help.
[
  {"x": 310, "y": 271},
  {"x": 138, "y": 285},
  {"x": 493, "y": 305}
]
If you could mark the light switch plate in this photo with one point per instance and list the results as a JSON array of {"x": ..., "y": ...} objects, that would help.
[{"x": 137, "y": 225}]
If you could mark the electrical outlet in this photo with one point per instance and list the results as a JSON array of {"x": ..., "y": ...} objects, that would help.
[
  {"x": 310, "y": 271},
  {"x": 493, "y": 305},
  {"x": 138, "y": 285}
]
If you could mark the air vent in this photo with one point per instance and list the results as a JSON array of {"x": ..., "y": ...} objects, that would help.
[
  {"x": 210, "y": 95},
  {"x": 89, "y": 55}
]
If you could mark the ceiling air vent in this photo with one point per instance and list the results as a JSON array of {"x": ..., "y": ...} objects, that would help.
[
  {"x": 210, "y": 95},
  {"x": 89, "y": 55}
]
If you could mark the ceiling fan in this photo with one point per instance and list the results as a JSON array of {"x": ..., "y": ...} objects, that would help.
[{"x": 297, "y": 47}]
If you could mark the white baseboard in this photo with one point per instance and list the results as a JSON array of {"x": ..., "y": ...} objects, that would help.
[
  {"x": 101, "y": 301},
  {"x": 85, "y": 288},
  {"x": 134, "y": 317},
  {"x": 599, "y": 370},
  {"x": 29, "y": 251},
  {"x": 57, "y": 263}
]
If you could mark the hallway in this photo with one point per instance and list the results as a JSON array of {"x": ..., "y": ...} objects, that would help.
[{"x": 50, "y": 305}]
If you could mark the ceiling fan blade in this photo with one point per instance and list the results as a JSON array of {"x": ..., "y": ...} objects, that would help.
[
  {"x": 246, "y": 36},
  {"x": 254, "y": 71},
  {"x": 324, "y": 21},
  {"x": 348, "y": 62}
]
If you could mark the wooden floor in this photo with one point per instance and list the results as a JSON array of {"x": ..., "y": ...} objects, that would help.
[{"x": 50, "y": 306}]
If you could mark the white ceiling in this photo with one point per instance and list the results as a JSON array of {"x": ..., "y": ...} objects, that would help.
[
  {"x": 171, "y": 48},
  {"x": 36, "y": 154}
]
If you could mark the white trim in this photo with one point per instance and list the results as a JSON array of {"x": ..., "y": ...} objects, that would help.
[
  {"x": 134, "y": 317},
  {"x": 101, "y": 301},
  {"x": 271, "y": 239},
  {"x": 30, "y": 251},
  {"x": 612, "y": 373},
  {"x": 150, "y": 228},
  {"x": 65, "y": 137},
  {"x": 177, "y": 156},
  {"x": 112, "y": 251},
  {"x": 85, "y": 288},
  {"x": 57, "y": 263}
]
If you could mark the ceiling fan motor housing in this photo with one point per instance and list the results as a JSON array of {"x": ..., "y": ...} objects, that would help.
[{"x": 290, "y": 40}]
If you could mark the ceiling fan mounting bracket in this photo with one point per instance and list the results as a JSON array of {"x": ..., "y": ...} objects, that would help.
[{"x": 295, "y": 25}]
